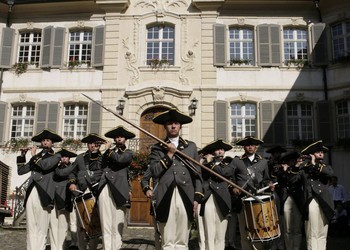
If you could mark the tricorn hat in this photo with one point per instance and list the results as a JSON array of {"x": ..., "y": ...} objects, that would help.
[
  {"x": 314, "y": 147},
  {"x": 172, "y": 115},
  {"x": 290, "y": 156},
  {"x": 249, "y": 140},
  {"x": 66, "y": 153},
  {"x": 215, "y": 145},
  {"x": 275, "y": 149},
  {"x": 92, "y": 138},
  {"x": 47, "y": 134},
  {"x": 120, "y": 131}
]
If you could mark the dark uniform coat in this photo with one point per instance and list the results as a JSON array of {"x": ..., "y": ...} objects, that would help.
[
  {"x": 115, "y": 174},
  {"x": 63, "y": 196},
  {"x": 212, "y": 185},
  {"x": 42, "y": 167},
  {"x": 172, "y": 173}
]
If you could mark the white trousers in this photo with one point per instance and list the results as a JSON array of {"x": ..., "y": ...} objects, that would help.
[
  {"x": 112, "y": 220},
  {"x": 73, "y": 228},
  {"x": 38, "y": 220},
  {"x": 58, "y": 228},
  {"x": 292, "y": 225},
  {"x": 215, "y": 226},
  {"x": 316, "y": 228},
  {"x": 175, "y": 232}
]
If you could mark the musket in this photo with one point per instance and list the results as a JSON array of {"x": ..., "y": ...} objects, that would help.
[{"x": 177, "y": 151}]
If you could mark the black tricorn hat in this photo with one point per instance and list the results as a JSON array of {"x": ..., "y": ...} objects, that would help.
[
  {"x": 218, "y": 144},
  {"x": 275, "y": 149},
  {"x": 290, "y": 156},
  {"x": 120, "y": 131},
  {"x": 66, "y": 153},
  {"x": 314, "y": 147},
  {"x": 249, "y": 140},
  {"x": 92, "y": 138},
  {"x": 47, "y": 134},
  {"x": 172, "y": 115}
]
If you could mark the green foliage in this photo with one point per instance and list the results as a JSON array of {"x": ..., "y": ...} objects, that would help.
[
  {"x": 72, "y": 144},
  {"x": 239, "y": 61},
  {"x": 16, "y": 144},
  {"x": 139, "y": 164}
]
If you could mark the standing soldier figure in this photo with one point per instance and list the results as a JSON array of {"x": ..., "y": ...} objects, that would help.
[
  {"x": 39, "y": 200},
  {"x": 114, "y": 188}
]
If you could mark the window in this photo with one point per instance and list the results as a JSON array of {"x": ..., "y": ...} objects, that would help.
[
  {"x": 243, "y": 120},
  {"x": 343, "y": 119},
  {"x": 29, "y": 47},
  {"x": 299, "y": 121},
  {"x": 295, "y": 45},
  {"x": 341, "y": 40},
  {"x": 79, "y": 47},
  {"x": 160, "y": 45},
  {"x": 22, "y": 121},
  {"x": 241, "y": 46},
  {"x": 75, "y": 120}
]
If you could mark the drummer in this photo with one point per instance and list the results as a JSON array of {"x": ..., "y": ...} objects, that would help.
[
  {"x": 86, "y": 175},
  {"x": 251, "y": 172}
]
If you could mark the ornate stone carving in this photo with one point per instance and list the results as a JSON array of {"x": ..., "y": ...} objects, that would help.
[
  {"x": 158, "y": 94},
  {"x": 300, "y": 96},
  {"x": 81, "y": 24},
  {"x": 161, "y": 6},
  {"x": 22, "y": 98},
  {"x": 240, "y": 21},
  {"x": 131, "y": 60},
  {"x": 243, "y": 96},
  {"x": 76, "y": 97},
  {"x": 30, "y": 25}
]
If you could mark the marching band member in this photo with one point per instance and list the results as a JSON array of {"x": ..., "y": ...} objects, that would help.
[
  {"x": 114, "y": 188},
  {"x": 39, "y": 200},
  {"x": 216, "y": 204},
  {"x": 179, "y": 188},
  {"x": 319, "y": 202},
  {"x": 86, "y": 174}
]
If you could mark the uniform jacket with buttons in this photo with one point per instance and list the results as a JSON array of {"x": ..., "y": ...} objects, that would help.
[
  {"x": 115, "y": 174},
  {"x": 63, "y": 196},
  {"x": 315, "y": 178},
  {"x": 212, "y": 185},
  {"x": 172, "y": 173},
  {"x": 42, "y": 167}
]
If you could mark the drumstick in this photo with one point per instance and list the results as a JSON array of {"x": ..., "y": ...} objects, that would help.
[{"x": 264, "y": 188}]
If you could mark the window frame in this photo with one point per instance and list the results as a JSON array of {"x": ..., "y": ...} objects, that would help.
[
  {"x": 23, "y": 118},
  {"x": 345, "y": 37},
  {"x": 77, "y": 134},
  {"x": 295, "y": 40},
  {"x": 242, "y": 60},
  {"x": 74, "y": 59},
  {"x": 346, "y": 133},
  {"x": 244, "y": 117},
  {"x": 30, "y": 44}
]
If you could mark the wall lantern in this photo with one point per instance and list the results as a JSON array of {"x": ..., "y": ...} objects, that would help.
[
  {"x": 193, "y": 106},
  {"x": 121, "y": 106}
]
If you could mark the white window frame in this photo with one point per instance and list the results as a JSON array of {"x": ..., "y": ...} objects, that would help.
[
  {"x": 71, "y": 130},
  {"x": 34, "y": 46},
  {"x": 26, "y": 118},
  {"x": 243, "y": 58},
  {"x": 244, "y": 117},
  {"x": 295, "y": 42},
  {"x": 343, "y": 39},
  {"x": 343, "y": 119},
  {"x": 77, "y": 55}
]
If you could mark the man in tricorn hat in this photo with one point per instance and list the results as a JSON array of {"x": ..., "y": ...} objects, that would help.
[
  {"x": 179, "y": 188},
  {"x": 86, "y": 176},
  {"x": 216, "y": 204},
  {"x": 250, "y": 173},
  {"x": 319, "y": 203},
  {"x": 114, "y": 188},
  {"x": 39, "y": 200}
]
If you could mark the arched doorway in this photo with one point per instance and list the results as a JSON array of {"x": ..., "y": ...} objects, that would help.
[{"x": 140, "y": 204}]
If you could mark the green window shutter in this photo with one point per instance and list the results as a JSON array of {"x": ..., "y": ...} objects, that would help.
[
  {"x": 6, "y": 47},
  {"x": 98, "y": 45},
  {"x": 3, "y": 108},
  {"x": 219, "y": 44},
  {"x": 269, "y": 45},
  {"x": 58, "y": 45},
  {"x": 324, "y": 115},
  {"x": 46, "y": 54},
  {"x": 95, "y": 113},
  {"x": 272, "y": 122},
  {"x": 319, "y": 44},
  {"x": 47, "y": 116},
  {"x": 221, "y": 120}
]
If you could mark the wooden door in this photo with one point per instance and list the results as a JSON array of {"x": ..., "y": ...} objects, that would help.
[{"x": 139, "y": 213}]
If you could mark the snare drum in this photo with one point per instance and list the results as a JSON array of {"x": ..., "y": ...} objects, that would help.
[
  {"x": 261, "y": 218},
  {"x": 88, "y": 215}
]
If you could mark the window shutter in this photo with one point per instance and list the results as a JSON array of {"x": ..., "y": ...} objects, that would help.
[
  {"x": 47, "y": 116},
  {"x": 95, "y": 112},
  {"x": 6, "y": 48},
  {"x": 324, "y": 114},
  {"x": 98, "y": 46},
  {"x": 269, "y": 45},
  {"x": 319, "y": 44},
  {"x": 219, "y": 44},
  {"x": 220, "y": 120},
  {"x": 58, "y": 47},
  {"x": 272, "y": 122},
  {"x": 3, "y": 108},
  {"x": 48, "y": 34}
]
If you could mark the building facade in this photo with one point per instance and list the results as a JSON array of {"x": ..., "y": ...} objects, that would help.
[{"x": 278, "y": 70}]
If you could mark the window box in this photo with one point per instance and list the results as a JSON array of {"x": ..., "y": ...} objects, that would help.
[
  {"x": 239, "y": 62},
  {"x": 32, "y": 65},
  {"x": 20, "y": 68},
  {"x": 72, "y": 144},
  {"x": 156, "y": 63},
  {"x": 74, "y": 64},
  {"x": 16, "y": 144},
  {"x": 297, "y": 62}
]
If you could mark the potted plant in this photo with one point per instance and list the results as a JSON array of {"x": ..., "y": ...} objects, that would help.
[
  {"x": 239, "y": 61},
  {"x": 158, "y": 63},
  {"x": 14, "y": 145},
  {"x": 20, "y": 67},
  {"x": 72, "y": 144},
  {"x": 139, "y": 164},
  {"x": 297, "y": 62}
]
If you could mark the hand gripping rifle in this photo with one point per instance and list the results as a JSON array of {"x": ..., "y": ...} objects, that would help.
[{"x": 178, "y": 152}]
